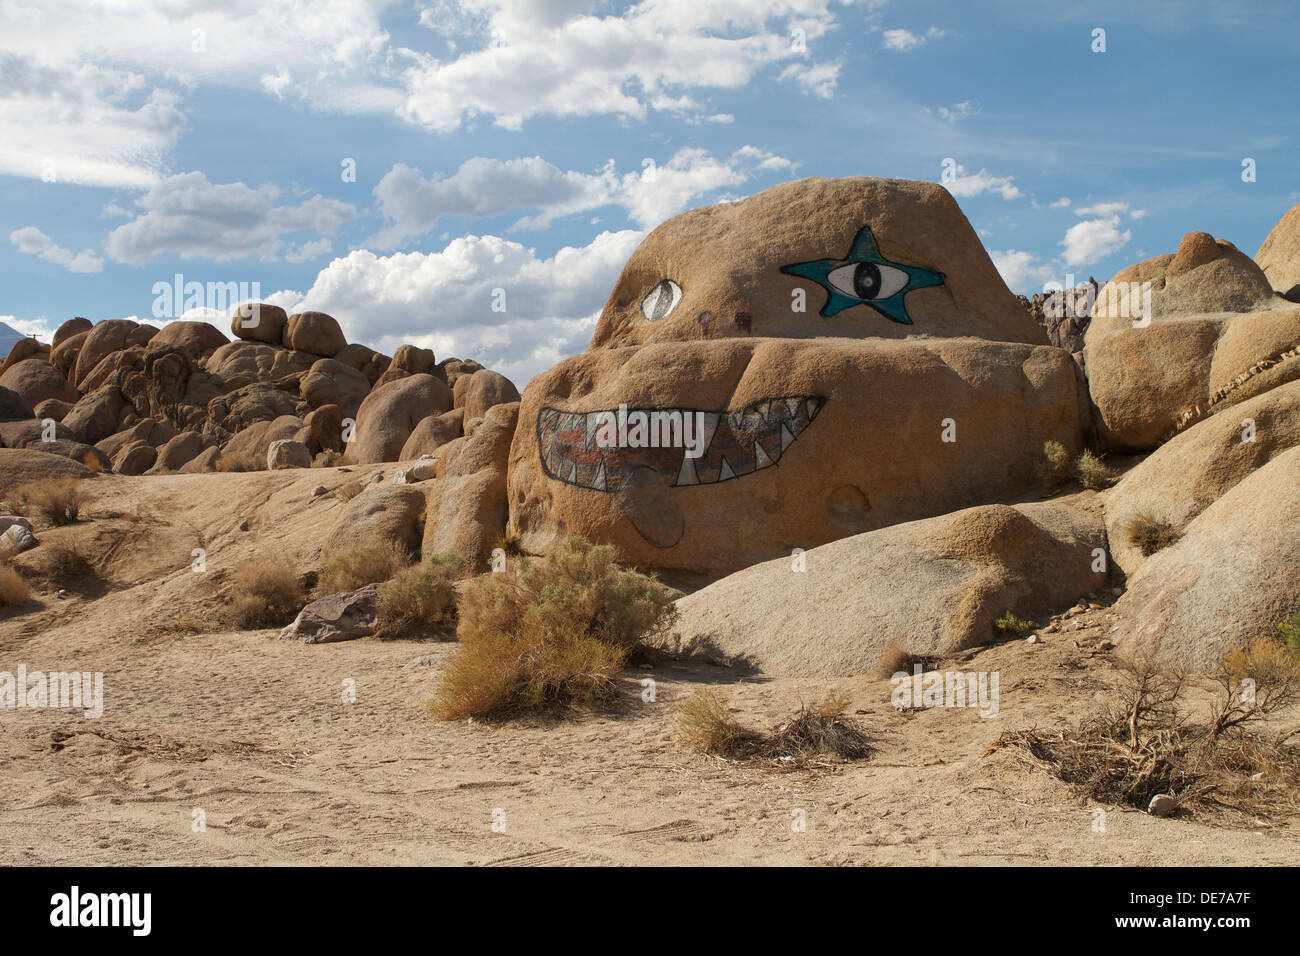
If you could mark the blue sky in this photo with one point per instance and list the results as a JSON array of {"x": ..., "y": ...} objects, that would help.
[{"x": 509, "y": 145}]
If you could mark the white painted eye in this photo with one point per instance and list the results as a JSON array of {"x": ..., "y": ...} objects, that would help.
[
  {"x": 868, "y": 280},
  {"x": 661, "y": 300}
]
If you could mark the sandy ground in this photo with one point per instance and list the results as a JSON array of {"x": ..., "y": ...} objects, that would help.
[{"x": 255, "y": 733}]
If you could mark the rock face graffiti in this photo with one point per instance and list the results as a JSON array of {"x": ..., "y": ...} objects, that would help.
[
  {"x": 866, "y": 278},
  {"x": 709, "y": 363},
  {"x": 605, "y": 450}
]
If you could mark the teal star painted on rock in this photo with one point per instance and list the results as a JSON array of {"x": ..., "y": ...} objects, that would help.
[{"x": 866, "y": 278}]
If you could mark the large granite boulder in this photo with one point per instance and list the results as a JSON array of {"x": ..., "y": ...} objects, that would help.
[
  {"x": 1230, "y": 578},
  {"x": 853, "y": 332},
  {"x": 390, "y": 413},
  {"x": 36, "y": 380},
  {"x": 1279, "y": 255},
  {"x": 928, "y": 587}
]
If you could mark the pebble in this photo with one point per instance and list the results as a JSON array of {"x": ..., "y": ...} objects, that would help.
[{"x": 1161, "y": 805}]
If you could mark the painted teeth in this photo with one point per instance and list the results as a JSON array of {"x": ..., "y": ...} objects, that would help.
[{"x": 755, "y": 437}]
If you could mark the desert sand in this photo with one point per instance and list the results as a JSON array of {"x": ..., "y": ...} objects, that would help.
[{"x": 254, "y": 733}]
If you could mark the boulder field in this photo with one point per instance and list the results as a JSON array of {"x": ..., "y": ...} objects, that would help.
[
  {"x": 128, "y": 389},
  {"x": 829, "y": 372}
]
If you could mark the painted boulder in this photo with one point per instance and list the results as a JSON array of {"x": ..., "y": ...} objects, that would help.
[{"x": 825, "y": 358}]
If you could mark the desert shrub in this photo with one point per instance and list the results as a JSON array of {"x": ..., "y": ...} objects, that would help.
[
  {"x": 1148, "y": 693},
  {"x": 62, "y": 563},
  {"x": 267, "y": 594},
  {"x": 369, "y": 562},
  {"x": 1092, "y": 471},
  {"x": 60, "y": 502},
  {"x": 1008, "y": 626},
  {"x": 239, "y": 461},
  {"x": 420, "y": 598},
  {"x": 1149, "y": 533},
  {"x": 1290, "y": 633},
  {"x": 549, "y": 633},
  {"x": 1057, "y": 467},
  {"x": 1146, "y": 743},
  {"x": 14, "y": 591},
  {"x": 1255, "y": 681},
  {"x": 812, "y": 734}
]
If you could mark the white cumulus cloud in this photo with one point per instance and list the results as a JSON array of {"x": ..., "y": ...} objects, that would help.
[
  {"x": 1023, "y": 272},
  {"x": 445, "y": 300},
  {"x": 33, "y": 242},
  {"x": 964, "y": 184},
  {"x": 1093, "y": 239},
  {"x": 189, "y": 216},
  {"x": 904, "y": 40},
  {"x": 413, "y": 204}
]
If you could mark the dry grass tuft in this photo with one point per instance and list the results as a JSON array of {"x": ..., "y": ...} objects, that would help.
[
  {"x": 893, "y": 659},
  {"x": 1149, "y": 533},
  {"x": 421, "y": 599},
  {"x": 813, "y": 735},
  {"x": 1092, "y": 472},
  {"x": 509, "y": 544},
  {"x": 239, "y": 461},
  {"x": 14, "y": 591},
  {"x": 1057, "y": 467},
  {"x": 705, "y": 725},
  {"x": 549, "y": 634},
  {"x": 60, "y": 502},
  {"x": 370, "y": 562},
  {"x": 267, "y": 594}
]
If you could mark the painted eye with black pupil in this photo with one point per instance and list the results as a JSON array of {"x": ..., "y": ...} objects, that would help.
[{"x": 866, "y": 280}]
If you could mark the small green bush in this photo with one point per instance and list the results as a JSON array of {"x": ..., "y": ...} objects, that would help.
[
  {"x": 1290, "y": 631},
  {"x": 1008, "y": 625}
]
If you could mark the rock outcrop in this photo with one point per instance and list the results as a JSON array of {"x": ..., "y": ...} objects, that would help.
[
  {"x": 1189, "y": 473},
  {"x": 1169, "y": 333},
  {"x": 1279, "y": 255},
  {"x": 926, "y": 588},
  {"x": 1230, "y": 578}
]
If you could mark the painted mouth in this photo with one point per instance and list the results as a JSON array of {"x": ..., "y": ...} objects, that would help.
[{"x": 604, "y": 450}]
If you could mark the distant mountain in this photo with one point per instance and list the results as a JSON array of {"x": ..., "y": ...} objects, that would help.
[{"x": 8, "y": 336}]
